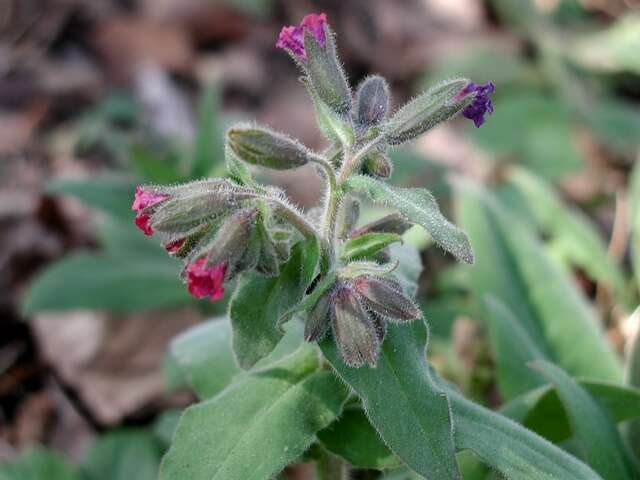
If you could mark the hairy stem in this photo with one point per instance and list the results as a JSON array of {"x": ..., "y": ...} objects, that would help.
[{"x": 352, "y": 163}]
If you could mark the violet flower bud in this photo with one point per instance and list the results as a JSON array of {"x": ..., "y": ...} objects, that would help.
[
  {"x": 291, "y": 38},
  {"x": 319, "y": 320},
  {"x": 481, "y": 103}
]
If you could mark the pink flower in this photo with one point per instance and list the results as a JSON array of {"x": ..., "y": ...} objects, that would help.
[
  {"x": 292, "y": 38},
  {"x": 203, "y": 281},
  {"x": 173, "y": 247},
  {"x": 142, "y": 200}
]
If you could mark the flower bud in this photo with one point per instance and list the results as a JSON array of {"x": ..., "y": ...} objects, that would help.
[
  {"x": 436, "y": 105},
  {"x": 263, "y": 147},
  {"x": 385, "y": 297},
  {"x": 350, "y": 214},
  {"x": 326, "y": 74},
  {"x": 372, "y": 101},
  {"x": 353, "y": 330},
  {"x": 392, "y": 223},
  {"x": 318, "y": 320},
  {"x": 377, "y": 164}
]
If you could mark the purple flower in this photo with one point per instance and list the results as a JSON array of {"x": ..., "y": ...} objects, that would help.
[
  {"x": 481, "y": 104},
  {"x": 292, "y": 38}
]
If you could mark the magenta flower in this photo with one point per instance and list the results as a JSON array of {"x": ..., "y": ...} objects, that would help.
[
  {"x": 292, "y": 38},
  {"x": 481, "y": 104},
  {"x": 142, "y": 200},
  {"x": 203, "y": 281}
]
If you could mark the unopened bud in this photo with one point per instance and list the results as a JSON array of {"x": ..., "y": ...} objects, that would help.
[
  {"x": 434, "y": 106},
  {"x": 268, "y": 260},
  {"x": 378, "y": 165},
  {"x": 325, "y": 73},
  {"x": 385, "y": 297},
  {"x": 350, "y": 214},
  {"x": 318, "y": 320},
  {"x": 229, "y": 243},
  {"x": 392, "y": 223},
  {"x": 372, "y": 100},
  {"x": 263, "y": 147},
  {"x": 353, "y": 330}
]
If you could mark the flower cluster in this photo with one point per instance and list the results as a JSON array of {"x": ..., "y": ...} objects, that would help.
[{"x": 337, "y": 274}]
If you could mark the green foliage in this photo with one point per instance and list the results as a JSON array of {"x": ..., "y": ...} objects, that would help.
[
  {"x": 514, "y": 268},
  {"x": 259, "y": 424},
  {"x": 38, "y": 464},
  {"x": 598, "y": 439},
  {"x": 123, "y": 455},
  {"x": 367, "y": 245},
  {"x": 419, "y": 206},
  {"x": 259, "y": 302},
  {"x": 123, "y": 283}
]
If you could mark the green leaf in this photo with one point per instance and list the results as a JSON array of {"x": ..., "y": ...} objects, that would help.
[
  {"x": 209, "y": 147},
  {"x": 258, "y": 425},
  {"x": 259, "y": 302},
  {"x": 353, "y": 438},
  {"x": 364, "y": 246},
  {"x": 202, "y": 356},
  {"x": 513, "y": 350},
  {"x": 594, "y": 429},
  {"x": 38, "y": 464},
  {"x": 572, "y": 233},
  {"x": 119, "y": 284},
  {"x": 419, "y": 206},
  {"x": 509, "y": 448},
  {"x": 542, "y": 411},
  {"x": 512, "y": 266},
  {"x": 165, "y": 426},
  {"x": 109, "y": 193},
  {"x": 409, "y": 411},
  {"x": 632, "y": 430},
  {"x": 123, "y": 455}
]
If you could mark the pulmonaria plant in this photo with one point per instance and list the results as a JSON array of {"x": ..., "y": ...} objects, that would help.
[{"x": 337, "y": 275}]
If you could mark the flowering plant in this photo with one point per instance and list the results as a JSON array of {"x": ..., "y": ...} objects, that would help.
[{"x": 351, "y": 284}]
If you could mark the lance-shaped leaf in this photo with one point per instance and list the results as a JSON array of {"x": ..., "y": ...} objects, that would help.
[
  {"x": 409, "y": 411},
  {"x": 513, "y": 267},
  {"x": 595, "y": 431},
  {"x": 353, "y": 438},
  {"x": 512, "y": 450},
  {"x": 259, "y": 302},
  {"x": 258, "y": 425},
  {"x": 368, "y": 244},
  {"x": 541, "y": 410},
  {"x": 420, "y": 207}
]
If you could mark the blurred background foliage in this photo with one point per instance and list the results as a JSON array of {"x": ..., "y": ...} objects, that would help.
[{"x": 97, "y": 97}]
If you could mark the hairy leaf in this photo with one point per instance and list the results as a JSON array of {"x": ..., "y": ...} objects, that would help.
[
  {"x": 259, "y": 302},
  {"x": 594, "y": 429},
  {"x": 258, "y": 425},
  {"x": 368, "y": 244},
  {"x": 419, "y": 206}
]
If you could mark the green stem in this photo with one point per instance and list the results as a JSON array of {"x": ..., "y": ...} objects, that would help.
[{"x": 330, "y": 467}]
